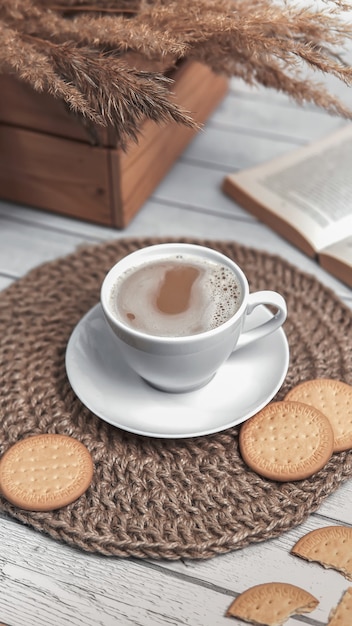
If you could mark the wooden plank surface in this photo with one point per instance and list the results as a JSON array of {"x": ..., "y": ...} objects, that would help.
[{"x": 45, "y": 582}]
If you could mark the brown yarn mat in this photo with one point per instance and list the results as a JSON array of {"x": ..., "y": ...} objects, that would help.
[{"x": 154, "y": 497}]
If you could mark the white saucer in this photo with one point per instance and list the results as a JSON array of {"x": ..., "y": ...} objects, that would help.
[{"x": 112, "y": 391}]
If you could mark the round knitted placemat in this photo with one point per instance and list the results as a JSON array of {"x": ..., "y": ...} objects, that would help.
[{"x": 160, "y": 497}]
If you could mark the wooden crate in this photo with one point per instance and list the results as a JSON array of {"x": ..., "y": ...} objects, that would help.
[{"x": 50, "y": 160}]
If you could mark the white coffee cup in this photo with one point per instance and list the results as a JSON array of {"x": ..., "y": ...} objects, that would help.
[{"x": 185, "y": 363}]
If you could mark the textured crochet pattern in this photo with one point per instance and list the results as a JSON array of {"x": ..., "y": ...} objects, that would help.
[{"x": 151, "y": 497}]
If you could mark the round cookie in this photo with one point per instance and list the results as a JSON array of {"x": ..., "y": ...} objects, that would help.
[
  {"x": 334, "y": 399},
  {"x": 45, "y": 472},
  {"x": 286, "y": 441}
]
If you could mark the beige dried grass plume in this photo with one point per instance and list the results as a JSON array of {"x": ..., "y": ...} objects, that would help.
[{"x": 108, "y": 59}]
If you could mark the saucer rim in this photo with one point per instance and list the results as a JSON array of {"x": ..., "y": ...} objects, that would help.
[{"x": 155, "y": 392}]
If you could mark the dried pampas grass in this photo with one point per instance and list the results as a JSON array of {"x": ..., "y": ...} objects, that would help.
[{"x": 108, "y": 60}]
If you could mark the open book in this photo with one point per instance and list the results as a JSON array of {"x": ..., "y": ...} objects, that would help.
[{"x": 306, "y": 196}]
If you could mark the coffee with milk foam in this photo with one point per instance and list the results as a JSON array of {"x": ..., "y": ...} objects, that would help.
[{"x": 177, "y": 296}]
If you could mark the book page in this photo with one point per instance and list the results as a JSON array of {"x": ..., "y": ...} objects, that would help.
[
  {"x": 310, "y": 188},
  {"x": 337, "y": 259},
  {"x": 341, "y": 250}
]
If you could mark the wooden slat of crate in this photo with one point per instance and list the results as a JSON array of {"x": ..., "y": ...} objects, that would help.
[
  {"x": 23, "y": 107},
  {"x": 99, "y": 183},
  {"x": 51, "y": 173},
  {"x": 144, "y": 165}
]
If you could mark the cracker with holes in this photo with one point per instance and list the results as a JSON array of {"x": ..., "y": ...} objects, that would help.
[
  {"x": 271, "y": 604},
  {"x": 286, "y": 441},
  {"x": 45, "y": 472},
  {"x": 330, "y": 546},
  {"x": 334, "y": 399},
  {"x": 341, "y": 615}
]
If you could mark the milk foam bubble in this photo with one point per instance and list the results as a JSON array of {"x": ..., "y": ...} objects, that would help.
[{"x": 196, "y": 295}]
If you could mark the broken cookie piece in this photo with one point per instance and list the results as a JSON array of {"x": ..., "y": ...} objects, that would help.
[{"x": 271, "y": 604}]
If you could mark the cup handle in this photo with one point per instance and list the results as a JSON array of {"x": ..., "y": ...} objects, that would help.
[{"x": 272, "y": 324}]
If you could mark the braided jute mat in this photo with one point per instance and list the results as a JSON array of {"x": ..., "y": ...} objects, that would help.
[{"x": 159, "y": 498}]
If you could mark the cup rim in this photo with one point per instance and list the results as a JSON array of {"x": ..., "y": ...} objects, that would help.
[{"x": 143, "y": 254}]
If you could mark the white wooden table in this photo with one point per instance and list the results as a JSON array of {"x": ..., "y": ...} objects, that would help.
[{"x": 43, "y": 582}]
